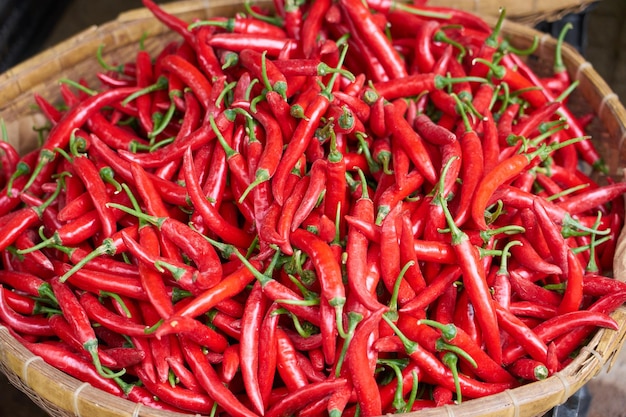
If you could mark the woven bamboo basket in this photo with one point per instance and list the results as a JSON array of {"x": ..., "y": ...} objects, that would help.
[
  {"x": 61, "y": 395},
  {"x": 527, "y": 12}
]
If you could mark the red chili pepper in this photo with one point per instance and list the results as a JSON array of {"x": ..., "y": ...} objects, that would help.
[
  {"x": 591, "y": 198},
  {"x": 49, "y": 110},
  {"x": 357, "y": 248},
  {"x": 312, "y": 26},
  {"x": 27, "y": 325},
  {"x": 94, "y": 281},
  {"x": 79, "y": 321},
  {"x": 26, "y": 283},
  {"x": 526, "y": 255},
  {"x": 363, "y": 377},
  {"x": 287, "y": 364},
  {"x": 567, "y": 343},
  {"x": 364, "y": 22},
  {"x": 298, "y": 144},
  {"x": 317, "y": 185},
  {"x": 249, "y": 344},
  {"x": 237, "y": 42},
  {"x": 65, "y": 360},
  {"x": 268, "y": 354},
  {"x": 312, "y": 393},
  {"x": 475, "y": 282},
  {"x": 64, "y": 332},
  {"x": 561, "y": 324},
  {"x": 21, "y": 304},
  {"x": 433, "y": 367},
  {"x": 471, "y": 166},
  {"x": 176, "y": 395},
  {"x": 107, "y": 318},
  {"x": 293, "y": 16},
  {"x": 22, "y": 220},
  {"x": 499, "y": 175},
  {"x": 573, "y": 296},
  {"x": 410, "y": 141},
  {"x": 522, "y": 334},
  {"x": 326, "y": 266},
  {"x": 212, "y": 218},
  {"x": 243, "y": 24},
  {"x": 170, "y": 191},
  {"x": 529, "y": 291},
  {"x": 89, "y": 174},
  {"x": 151, "y": 280},
  {"x": 529, "y": 369},
  {"x": 75, "y": 117}
]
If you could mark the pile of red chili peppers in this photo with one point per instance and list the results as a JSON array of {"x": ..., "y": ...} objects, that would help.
[{"x": 333, "y": 208}]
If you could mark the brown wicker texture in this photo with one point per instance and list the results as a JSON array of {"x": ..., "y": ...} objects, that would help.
[
  {"x": 62, "y": 395},
  {"x": 527, "y": 12}
]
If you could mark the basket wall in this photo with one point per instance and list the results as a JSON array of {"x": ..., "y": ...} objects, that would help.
[
  {"x": 61, "y": 395},
  {"x": 528, "y": 12}
]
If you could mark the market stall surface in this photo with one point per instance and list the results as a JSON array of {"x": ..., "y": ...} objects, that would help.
[{"x": 605, "y": 48}]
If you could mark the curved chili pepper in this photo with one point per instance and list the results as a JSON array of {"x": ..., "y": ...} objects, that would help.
[
  {"x": 362, "y": 376},
  {"x": 27, "y": 325},
  {"x": 431, "y": 365},
  {"x": 212, "y": 218},
  {"x": 529, "y": 369},
  {"x": 524, "y": 335},
  {"x": 500, "y": 174},
  {"x": 64, "y": 332},
  {"x": 326, "y": 266},
  {"x": 526, "y": 255},
  {"x": 209, "y": 380},
  {"x": 79, "y": 321},
  {"x": 357, "y": 248},
  {"x": 554, "y": 239},
  {"x": 191, "y": 243},
  {"x": 75, "y": 117},
  {"x": 591, "y": 198},
  {"x": 269, "y": 353},
  {"x": 100, "y": 314},
  {"x": 170, "y": 191},
  {"x": 249, "y": 342},
  {"x": 72, "y": 364},
  {"x": 176, "y": 395},
  {"x": 317, "y": 185},
  {"x": 561, "y": 325},
  {"x": 243, "y": 24},
  {"x": 410, "y": 141},
  {"x": 94, "y": 281},
  {"x": 375, "y": 38},
  {"x": 471, "y": 165},
  {"x": 23, "y": 220},
  {"x": 312, "y": 393},
  {"x": 566, "y": 343},
  {"x": 237, "y": 42},
  {"x": 475, "y": 283}
]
